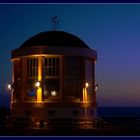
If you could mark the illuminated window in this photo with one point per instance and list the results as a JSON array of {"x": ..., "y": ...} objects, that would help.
[
  {"x": 51, "y": 66},
  {"x": 52, "y": 77},
  {"x": 32, "y": 74},
  {"x": 32, "y": 67},
  {"x": 51, "y": 85}
]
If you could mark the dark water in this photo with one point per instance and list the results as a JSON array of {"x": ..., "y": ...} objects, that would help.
[{"x": 119, "y": 111}]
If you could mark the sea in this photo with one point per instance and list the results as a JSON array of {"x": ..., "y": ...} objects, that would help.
[{"x": 119, "y": 111}]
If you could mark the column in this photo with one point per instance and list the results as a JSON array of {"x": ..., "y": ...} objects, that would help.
[{"x": 39, "y": 90}]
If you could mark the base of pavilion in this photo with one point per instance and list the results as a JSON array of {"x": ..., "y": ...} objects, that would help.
[{"x": 56, "y": 123}]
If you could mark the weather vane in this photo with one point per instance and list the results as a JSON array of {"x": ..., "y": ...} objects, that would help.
[{"x": 55, "y": 22}]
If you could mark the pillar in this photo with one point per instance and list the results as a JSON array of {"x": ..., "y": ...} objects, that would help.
[{"x": 39, "y": 90}]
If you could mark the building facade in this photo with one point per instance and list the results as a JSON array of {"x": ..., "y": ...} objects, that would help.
[{"x": 53, "y": 81}]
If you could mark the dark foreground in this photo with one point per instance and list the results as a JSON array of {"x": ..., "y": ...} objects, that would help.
[
  {"x": 114, "y": 126},
  {"x": 71, "y": 132}
]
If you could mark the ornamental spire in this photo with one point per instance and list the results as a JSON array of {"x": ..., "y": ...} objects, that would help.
[{"x": 55, "y": 22}]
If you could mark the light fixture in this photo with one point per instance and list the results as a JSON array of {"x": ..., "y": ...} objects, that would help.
[
  {"x": 9, "y": 86},
  {"x": 96, "y": 87},
  {"x": 87, "y": 85},
  {"x": 53, "y": 93},
  {"x": 37, "y": 84}
]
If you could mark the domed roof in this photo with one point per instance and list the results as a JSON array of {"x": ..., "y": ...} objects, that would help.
[{"x": 54, "y": 38}]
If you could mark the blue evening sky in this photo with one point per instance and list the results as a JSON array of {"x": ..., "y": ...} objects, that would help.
[{"x": 113, "y": 30}]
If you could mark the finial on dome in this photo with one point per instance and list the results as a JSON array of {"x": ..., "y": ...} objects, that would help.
[{"x": 55, "y": 22}]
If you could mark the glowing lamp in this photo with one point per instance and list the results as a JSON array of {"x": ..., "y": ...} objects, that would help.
[
  {"x": 86, "y": 84},
  {"x": 37, "y": 84},
  {"x": 53, "y": 93},
  {"x": 9, "y": 86},
  {"x": 96, "y": 87}
]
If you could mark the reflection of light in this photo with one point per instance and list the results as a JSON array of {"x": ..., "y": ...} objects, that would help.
[
  {"x": 53, "y": 93},
  {"x": 9, "y": 86},
  {"x": 85, "y": 97},
  {"x": 85, "y": 100},
  {"x": 39, "y": 95},
  {"x": 86, "y": 84},
  {"x": 37, "y": 84}
]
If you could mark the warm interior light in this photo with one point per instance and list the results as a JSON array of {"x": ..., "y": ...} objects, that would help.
[
  {"x": 86, "y": 84},
  {"x": 53, "y": 93},
  {"x": 85, "y": 97},
  {"x": 37, "y": 84}
]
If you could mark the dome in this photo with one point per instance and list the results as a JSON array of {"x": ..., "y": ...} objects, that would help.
[{"x": 54, "y": 38}]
